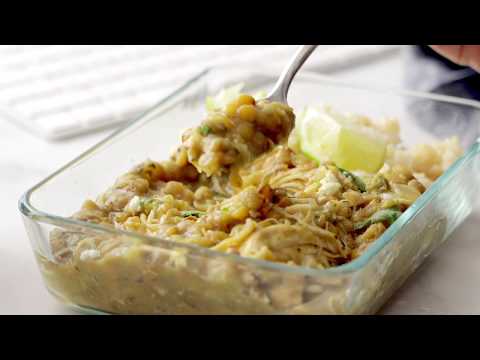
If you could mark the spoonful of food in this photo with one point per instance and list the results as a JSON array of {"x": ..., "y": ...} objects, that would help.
[{"x": 280, "y": 90}]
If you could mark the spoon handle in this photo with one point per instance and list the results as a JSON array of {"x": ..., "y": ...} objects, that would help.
[{"x": 280, "y": 90}]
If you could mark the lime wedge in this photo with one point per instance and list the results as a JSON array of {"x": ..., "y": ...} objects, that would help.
[{"x": 325, "y": 135}]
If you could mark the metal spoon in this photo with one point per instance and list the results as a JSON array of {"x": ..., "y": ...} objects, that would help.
[{"x": 280, "y": 90}]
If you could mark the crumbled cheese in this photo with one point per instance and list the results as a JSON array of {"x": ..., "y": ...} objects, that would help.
[
  {"x": 386, "y": 196},
  {"x": 329, "y": 185},
  {"x": 90, "y": 255},
  {"x": 134, "y": 206}
]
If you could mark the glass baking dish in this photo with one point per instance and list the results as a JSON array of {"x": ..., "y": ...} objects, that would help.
[{"x": 163, "y": 277}]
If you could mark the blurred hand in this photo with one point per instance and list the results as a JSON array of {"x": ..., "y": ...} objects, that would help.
[{"x": 465, "y": 55}]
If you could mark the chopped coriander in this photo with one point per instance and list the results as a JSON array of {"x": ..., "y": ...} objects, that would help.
[
  {"x": 149, "y": 204},
  {"x": 395, "y": 208},
  {"x": 385, "y": 215},
  {"x": 225, "y": 209},
  {"x": 204, "y": 130},
  {"x": 356, "y": 180},
  {"x": 194, "y": 213}
]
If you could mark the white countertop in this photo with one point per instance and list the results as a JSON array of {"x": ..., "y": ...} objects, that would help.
[{"x": 447, "y": 283}]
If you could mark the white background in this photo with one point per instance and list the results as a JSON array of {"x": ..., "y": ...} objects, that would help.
[{"x": 446, "y": 284}]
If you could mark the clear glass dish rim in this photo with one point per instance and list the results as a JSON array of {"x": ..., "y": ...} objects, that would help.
[{"x": 28, "y": 210}]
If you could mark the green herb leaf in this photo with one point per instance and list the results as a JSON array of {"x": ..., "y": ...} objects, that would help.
[
  {"x": 194, "y": 213},
  {"x": 394, "y": 207},
  {"x": 385, "y": 215},
  {"x": 149, "y": 204},
  {"x": 225, "y": 209},
  {"x": 204, "y": 130},
  {"x": 388, "y": 215},
  {"x": 356, "y": 180}
]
